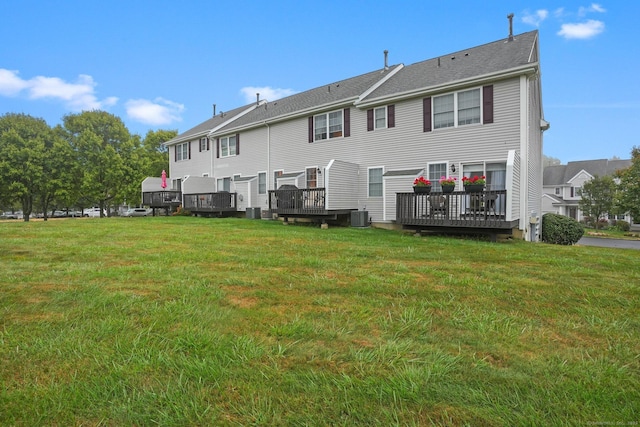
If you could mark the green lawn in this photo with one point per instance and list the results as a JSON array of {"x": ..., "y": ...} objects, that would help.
[{"x": 191, "y": 321}]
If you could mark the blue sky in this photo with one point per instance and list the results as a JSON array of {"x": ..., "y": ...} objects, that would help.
[{"x": 163, "y": 64}]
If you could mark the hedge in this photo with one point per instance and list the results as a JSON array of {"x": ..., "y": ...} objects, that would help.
[{"x": 560, "y": 229}]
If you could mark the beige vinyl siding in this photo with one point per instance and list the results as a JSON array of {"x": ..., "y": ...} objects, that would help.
[
  {"x": 342, "y": 184},
  {"x": 393, "y": 185},
  {"x": 535, "y": 150},
  {"x": 513, "y": 184},
  {"x": 197, "y": 165}
]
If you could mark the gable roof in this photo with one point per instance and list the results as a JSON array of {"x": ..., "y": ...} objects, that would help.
[
  {"x": 488, "y": 60},
  {"x": 207, "y": 126},
  {"x": 559, "y": 175},
  {"x": 343, "y": 92},
  {"x": 478, "y": 64}
]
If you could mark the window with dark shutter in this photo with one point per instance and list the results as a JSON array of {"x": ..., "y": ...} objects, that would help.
[
  {"x": 487, "y": 104},
  {"x": 347, "y": 122},
  {"x": 370, "y": 120},
  {"x": 311, "y": 129},
  {"x": 426, "y": 114},
  {"x": 217, "y": 148},
  {"x": 391, "y": 116}
]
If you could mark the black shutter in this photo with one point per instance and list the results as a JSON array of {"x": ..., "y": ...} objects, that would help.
[
  {"x": 311, "y": 129},
  {"x": 208, "y": 146},
  {"x": 217, "y": 148},
  {"x": 391, "y": 116},
  {"x": 200, "y": 145},
  {"x": 370, "y": 120},
  {"x": 237, "y": 144},
  {"x": 487, "y": 104},
  {"x": 189, "y": 149},
  {"x": 347, "y": 122},
  {"x": 175, "y": 153},
  {"x": 426, "y": 114}
]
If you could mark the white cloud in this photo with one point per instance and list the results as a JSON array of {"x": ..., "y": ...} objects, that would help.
[
  {"x": 76, "y": 96},
  {"x": 535, "y": 18},
  {"x": 266, "y": 92},
  {"x": 583, "y": 30},
  {"x": 595, "y": 7},
  {"x": 160, "y": 111}
]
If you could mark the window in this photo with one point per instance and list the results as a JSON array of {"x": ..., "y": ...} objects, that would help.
[
  {"x": 204, "y": 144},
  {"x": 224, "y": 184},
  {"x": 380, "y": 117},
  {"x": 228, "y": 146},
  {"x": 436, "y": 171},
  {"x": 576, "y": 191},
  {"x": 327, "y": 125},
  {"x": 276, "y": 174},
  {"x": 456, "y": 109},
  {"x": 312, "y": 177},
  {"x": 375, "y": 182},
  {"x": 262, "y": 183},
  {"x": 558, "y": 191},
  {"x": 182, "y": 152}
]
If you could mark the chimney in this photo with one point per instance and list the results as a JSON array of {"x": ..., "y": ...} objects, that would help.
[
  {"x": 510, "y": 17},
  {"x": 214, "y": 110},
  {"x": 257, "y": 99},
  {"x": 386, "y": 56}
]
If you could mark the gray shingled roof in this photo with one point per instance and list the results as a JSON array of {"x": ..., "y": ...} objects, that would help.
[
  {"x": 496, "y": 57},
  {"x": 205, "y": 127},
  {"x": 343, "y": 91},
  {"x": 499, "y": 56},
  {"x": 561, "y": 174}
]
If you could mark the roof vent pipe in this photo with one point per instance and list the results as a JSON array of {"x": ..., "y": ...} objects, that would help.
[
  {"x": 214, "y": 110},
  {"x": 510, "y": 18},
  {"x": 386, "y": 56},
  {"x": 257, "y": 98}
]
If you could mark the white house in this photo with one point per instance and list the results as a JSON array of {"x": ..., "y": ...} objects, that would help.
[{"x": 358, "y": 144}]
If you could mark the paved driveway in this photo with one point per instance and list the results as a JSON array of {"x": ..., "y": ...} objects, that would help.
[{"x": 610, "y": 243}]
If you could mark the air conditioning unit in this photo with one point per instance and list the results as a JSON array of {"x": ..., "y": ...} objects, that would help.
[
  {"x": 360, "y": 218},
  {"x": 253, "y": 213}
]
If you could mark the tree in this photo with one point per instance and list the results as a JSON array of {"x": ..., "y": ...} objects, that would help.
[
  {"x": 550, "y": 161},
  {"x": 23, "y": 153},
  {"x": 104, "y": 148},
  {"x": 157, "y": 153},
  {"x": 598, "y": 197},
  {"x": 629, "y": 196}
]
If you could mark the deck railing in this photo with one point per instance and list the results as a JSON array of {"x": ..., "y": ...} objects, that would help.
[
  {"x": 162, "y": 199},
  {"x": 458, "y": 209},
  {"x": 298, "y": 201},
  {"x": 222, "y": 201}
]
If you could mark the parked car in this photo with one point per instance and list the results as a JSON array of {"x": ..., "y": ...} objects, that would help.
[
  {"x": 93, "y": 212},
  {"x": 11, "y": 215},
  {"x": 137, "y": 212}
]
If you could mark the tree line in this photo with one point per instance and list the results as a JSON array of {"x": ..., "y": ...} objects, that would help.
[{"x": 91, "y": 159}]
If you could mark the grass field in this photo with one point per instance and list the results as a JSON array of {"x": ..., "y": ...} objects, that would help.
[{"x": 190, "y": 321}]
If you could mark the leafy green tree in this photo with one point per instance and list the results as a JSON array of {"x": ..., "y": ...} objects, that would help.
[
  {"x": 629, "y": 196},
  {"x": 598, "y": 197},
  {"x": 157, "y": 153},
  {"x": 104, "y": 148},
  {"x": 23, "y": 143}
]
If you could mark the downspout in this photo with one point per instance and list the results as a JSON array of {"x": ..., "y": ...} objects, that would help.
[{"x": 268, "y": 160}]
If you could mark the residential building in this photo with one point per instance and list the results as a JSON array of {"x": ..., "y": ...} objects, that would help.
[
  {"x": 562, "y": 185},
  {"x": 358, "y": 144}
]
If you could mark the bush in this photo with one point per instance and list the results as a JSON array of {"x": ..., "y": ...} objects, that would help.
[
  {"x": 623, "y": 225},
  {"x": 560, "y": 229}
]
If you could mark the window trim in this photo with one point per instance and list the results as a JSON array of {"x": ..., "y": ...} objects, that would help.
[
  {"x": 435, "y": 180},
  {"x": 183, "y": 151},
  {"x": 383, "y": 118},
  {"x": 266, "y": 182},
  {"x": 224, "y": 141},
  {"x": 327, "y": 126},
  {"x": 456, "y": 108},
  {"x": 306, "y": 176},
  {"x": 204, "y": 144},
  {"x": 381, "y": 183}
]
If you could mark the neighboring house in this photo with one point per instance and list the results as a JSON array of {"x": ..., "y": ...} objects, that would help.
[
  {"x": 562, "y": 185},
  {"x": 359, "y": 143}
]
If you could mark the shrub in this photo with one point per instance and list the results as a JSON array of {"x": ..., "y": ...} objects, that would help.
[
  {"x": 623, "y": 225},
  {"x": 560, "y": 229}
]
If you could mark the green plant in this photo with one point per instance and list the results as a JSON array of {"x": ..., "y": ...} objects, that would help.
[
  {"x": 444, "y": 180},
  {"x": 623, "y": 225},
  {"x": 421, "y": 182},
  {"x": 560, "y": 229},
  {"x": 475, "y": 180}
]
